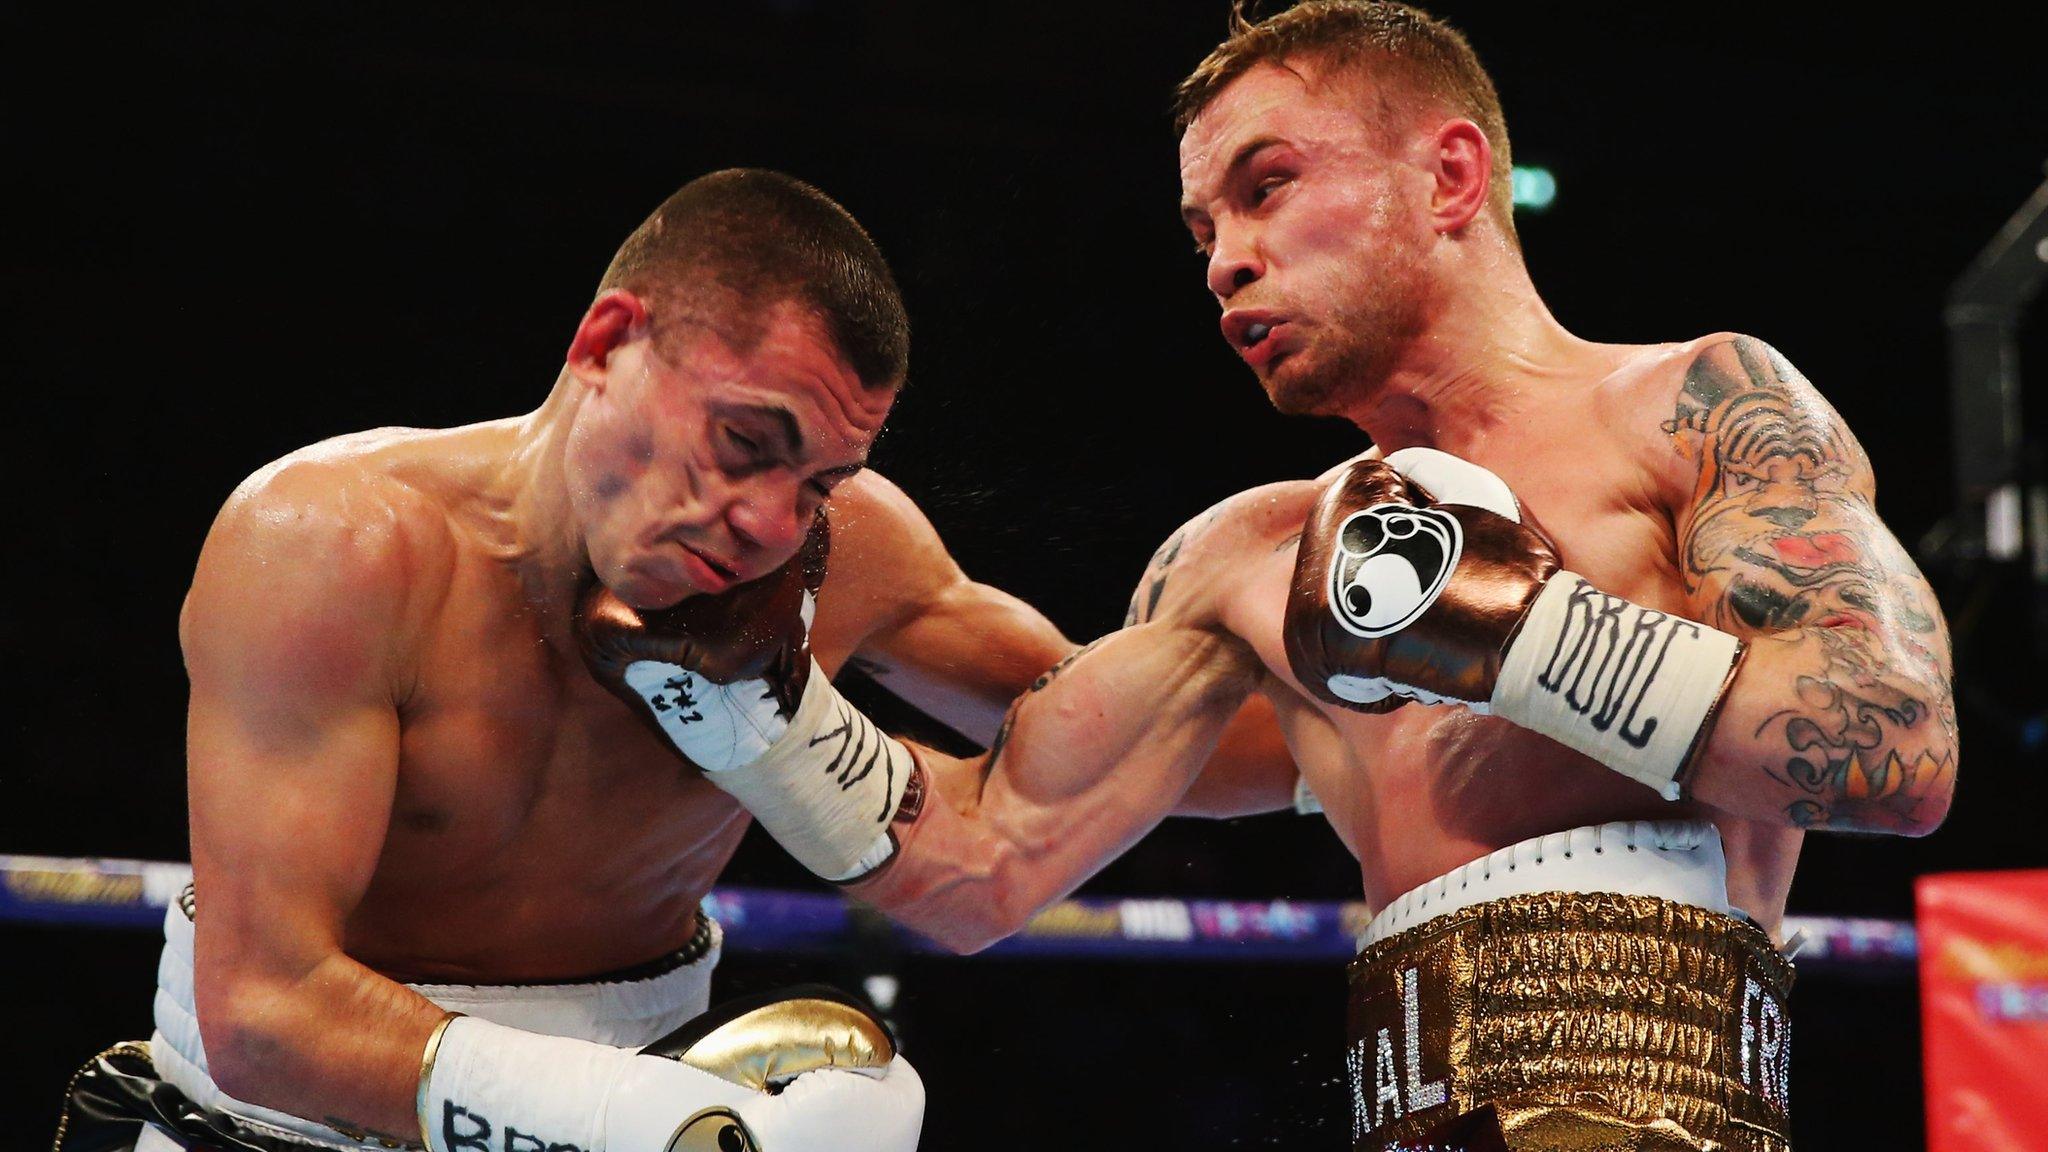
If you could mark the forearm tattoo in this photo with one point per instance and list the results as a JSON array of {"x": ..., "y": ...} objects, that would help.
[
  {"x": 1783, "y": 544},
  {"x": 1145, "y": 601},
  {"x": 1151, "y": 586},
  {"x": 1002, "y": 740}
]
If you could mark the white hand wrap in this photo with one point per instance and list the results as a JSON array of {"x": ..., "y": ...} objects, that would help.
[
  {"x": 824, "y": 783},
  {"x": 490, "y": 1088},
  {"x": 1629, "y": 686}
]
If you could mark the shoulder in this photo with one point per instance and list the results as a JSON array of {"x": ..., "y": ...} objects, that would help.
[
  {"x": 1265, "y": 517},
  {"x": 870, "y": 508},
  {"x": 1202, "y": 561},
  {"x": 881, "y": 537},
  {"x": 323, "y": 550},
  {"x": 331, "y": 504},
  {"x": 1683, "y": 407},
  {"x": 887, "y": 564}
]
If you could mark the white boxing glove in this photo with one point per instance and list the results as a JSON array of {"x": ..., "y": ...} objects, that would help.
[{"x": 709, "y": 1087}]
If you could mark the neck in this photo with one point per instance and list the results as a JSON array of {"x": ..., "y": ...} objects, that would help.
[
  {"x": 1482, "y": 359},
  {"x": 531, "y": 493}
]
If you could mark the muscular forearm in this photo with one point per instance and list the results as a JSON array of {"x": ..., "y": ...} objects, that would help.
[
  {"x": 339, "y": 1045},
  {"x": 1825, "y": 727},
  {"x": 959, "y": 877},
  {"x": 1089, "y": 761}
]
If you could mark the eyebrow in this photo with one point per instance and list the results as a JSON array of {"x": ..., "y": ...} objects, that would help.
[
  {"x": 1238, "y": 161},
  {"x": 785, "y": 423},
  {"x": 842, "y": 472},
  {"x": 783, "y": 420}
]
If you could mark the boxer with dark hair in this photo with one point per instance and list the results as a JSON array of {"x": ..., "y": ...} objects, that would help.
[
  {"x": 446, "y": 888},
  {"x": 1573, "y": 658}
]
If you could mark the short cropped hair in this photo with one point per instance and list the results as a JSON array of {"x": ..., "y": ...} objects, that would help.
[
  {"x": 730, "y": 246},
  {"x": 1385, "y": 41}
]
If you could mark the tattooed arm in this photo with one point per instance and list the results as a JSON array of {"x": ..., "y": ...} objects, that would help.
[
  {"x": 904, "y": 613},
  {"x": 1252, "y": 770},
  {"x": 1099, "y": 750},
  {"x": 1842, "y": 715}
]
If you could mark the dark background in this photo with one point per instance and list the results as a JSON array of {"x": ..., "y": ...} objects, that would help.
[{"x": 240, "y": 230}]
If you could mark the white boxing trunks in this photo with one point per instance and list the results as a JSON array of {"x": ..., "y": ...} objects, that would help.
[{"x": 629, "y": 1009}]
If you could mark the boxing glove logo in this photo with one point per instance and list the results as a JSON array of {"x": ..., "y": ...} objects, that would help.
[
  {"x": 1390, "y": 563},
  {"x": 713, "y": 1130}
]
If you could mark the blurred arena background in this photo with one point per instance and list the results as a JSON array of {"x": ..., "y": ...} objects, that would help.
[{"x": 240, "y": 229}]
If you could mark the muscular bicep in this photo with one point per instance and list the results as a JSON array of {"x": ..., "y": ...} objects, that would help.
[
  {"x": 963, "y": 654},
  {"x": 1844, "y": 699},
  {"x": 295, "y": 643},
  {"x": 292, "y": 731},
  {"x": 898, "y": 603},
  {"x": 1231, "y": 564},
  {"x": 1782, "y": 530},
  {"x": 1086, "y": 762},
  {"x": 1093, "y": 755}
]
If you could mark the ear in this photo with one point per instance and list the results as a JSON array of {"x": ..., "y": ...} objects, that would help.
[
  {"x": 614, "y": 319},
  {"x": 1463, "y": 164}
]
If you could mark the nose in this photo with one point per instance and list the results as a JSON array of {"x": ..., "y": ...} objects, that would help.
[
  {"x": 1234, "y": 262},
  {"x": 767, "y": 518}
]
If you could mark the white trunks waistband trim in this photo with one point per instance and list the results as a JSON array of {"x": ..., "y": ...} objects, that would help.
[{"x": 1678, "y": 860}]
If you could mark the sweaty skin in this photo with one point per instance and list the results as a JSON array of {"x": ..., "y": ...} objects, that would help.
[
  {"x": 399, "y": 768},
  {"x": 1706, "y": 479}
]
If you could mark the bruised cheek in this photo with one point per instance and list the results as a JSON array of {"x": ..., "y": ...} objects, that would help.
[{"x": 635, "y": 456}]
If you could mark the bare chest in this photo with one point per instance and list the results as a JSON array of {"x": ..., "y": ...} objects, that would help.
[
  {"x": 534, "y": 814},
  {"x": 1420, "y": 790}
]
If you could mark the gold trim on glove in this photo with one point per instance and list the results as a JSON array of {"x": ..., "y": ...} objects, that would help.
[
  {"x": 780, "y": 1041},
  {"x": 428, "y": 1055}
]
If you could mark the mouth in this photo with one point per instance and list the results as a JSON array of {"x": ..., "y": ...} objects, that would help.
[
  {"x": 708, "y": 572},
  {"x": 1256, "y": 335}
]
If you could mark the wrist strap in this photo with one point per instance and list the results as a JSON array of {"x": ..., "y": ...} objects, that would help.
[
  {"x": 828, "y": 786},
  {"x": 1631, "y": 687}
]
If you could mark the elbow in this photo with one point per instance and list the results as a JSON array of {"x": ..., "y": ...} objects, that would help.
[
  {"x": 1905, "y": 798},
  {"x": 968, "y": 917},
  {"x": 1919, "y": 828},
  {"x": 1931, "y": 781},
  {"x": 237, "y": 1053},
  {"x": 995, "y": 922},
  {"x": 966, "y": 931},
  {"x": 965, "y": 940},
  {"x": 961, "y": 931},
  {"x": 245, "y": 1043},
  {"x": 1931, "y": 811}
]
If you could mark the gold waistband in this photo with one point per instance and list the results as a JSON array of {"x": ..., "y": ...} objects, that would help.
[{"x": 1574, "y": 1011}]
